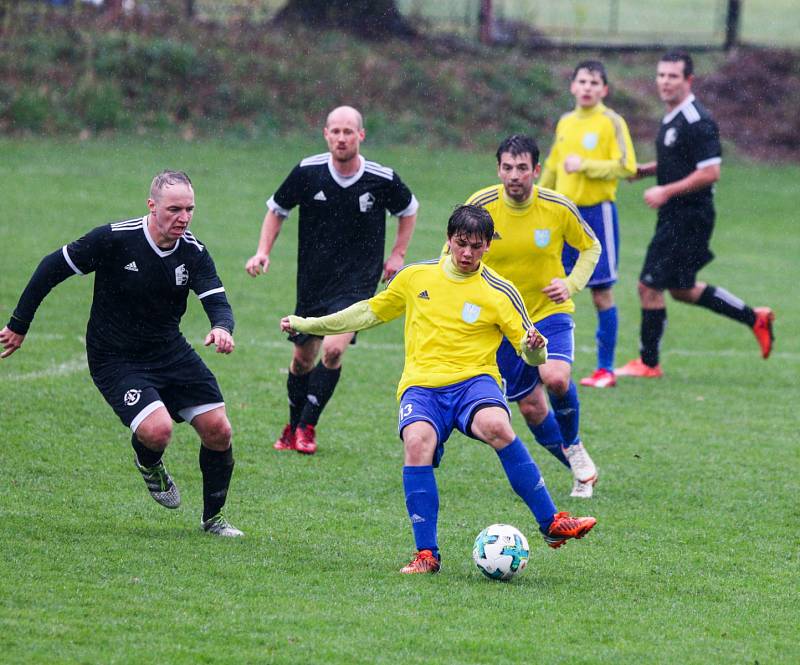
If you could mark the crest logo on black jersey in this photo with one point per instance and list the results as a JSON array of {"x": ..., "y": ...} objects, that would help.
[
  {"x": 181, "y": 275},
  {"x": 670, "y": 136},
  {"x": 132, "y": 397},
  {"x": 366, "y": 201}
]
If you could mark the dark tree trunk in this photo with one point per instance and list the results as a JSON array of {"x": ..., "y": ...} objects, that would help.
[{"x": 374, "y": 19}]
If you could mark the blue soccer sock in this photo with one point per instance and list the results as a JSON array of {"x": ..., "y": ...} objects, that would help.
[
  {"x": 422, "y": 503},
  {"x": 568, "y": 413},
  {"x": 525, "y": 479},
  {"x": 606, "y": 336},
  {"x": 548, "y": 435}
]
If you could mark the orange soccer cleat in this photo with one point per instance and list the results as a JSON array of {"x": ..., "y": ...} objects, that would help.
[
  {"x": 762, "y": 329},
  {"x": 638, "y": 368},
  {"x": 423, "y": 562},
  {"x": 286, "y": 441},
  {"x": 305, "y": 440},
  {"x": 602, "y": 378},
  {"x": 565, "y": 526}
]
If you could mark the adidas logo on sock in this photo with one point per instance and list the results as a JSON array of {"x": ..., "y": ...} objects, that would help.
[
  {"x": 132, "y": 267},
  {"x": 416, "y": 519},
  {"x": 320, "y": 196},
  {"x": 424, "y": 295}
]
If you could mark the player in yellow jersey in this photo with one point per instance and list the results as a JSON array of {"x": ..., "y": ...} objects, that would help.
[
  {"x": 531, "y": 226},
  {"x": 592, "y": 150},
  {"x": 457, "y": 311}
]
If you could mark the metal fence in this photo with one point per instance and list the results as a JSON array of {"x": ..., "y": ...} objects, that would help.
[{"x": 593, "y": 23}]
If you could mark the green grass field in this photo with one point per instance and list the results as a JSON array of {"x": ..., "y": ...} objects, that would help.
[{"x": 695, "y": 557}]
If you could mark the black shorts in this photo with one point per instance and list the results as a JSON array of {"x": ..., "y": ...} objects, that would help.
[
  {"x": 322, "y": 310},
  {"x": 679, "y": 248},
  {"x": 185, "y": 386}
]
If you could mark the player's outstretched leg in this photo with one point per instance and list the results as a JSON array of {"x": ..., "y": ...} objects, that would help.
[
  {"x": 158, "y": 481},
  {"x": 422, "y": 503}
]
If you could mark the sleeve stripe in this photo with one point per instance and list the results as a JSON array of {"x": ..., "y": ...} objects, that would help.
[
  {"x": 709, "y": 162},
  {"x": 551, "y": 196},
  {"x": 69, "y": 260},
  {"x": 511, "y": 292},
  {"x": 618, "y": 135},
  {"x": 210, "y": 292},
  {"x": 278, "y": 210},
  {"x": 484, "y": 199},
  {"x": 314, "y": 160},
  {"x": 412, "y": 208},
  {"x": 416, "y": 263}
]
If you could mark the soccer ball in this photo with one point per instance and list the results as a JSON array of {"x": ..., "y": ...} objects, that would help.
[{"x": 500, "y": 551}]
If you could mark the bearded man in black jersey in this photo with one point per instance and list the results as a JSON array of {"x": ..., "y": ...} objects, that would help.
[
  {"x": 138, "y": 358},
  {"x": 343, "y": 200}
]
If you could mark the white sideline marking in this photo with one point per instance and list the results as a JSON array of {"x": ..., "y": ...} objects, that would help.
[{"x": 77, "y": 364}]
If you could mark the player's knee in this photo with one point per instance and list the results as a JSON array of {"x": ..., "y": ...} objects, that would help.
[
  {"x": 155, "y": 436},
  {"x": 418, "y": 451},
  {"x": 217, "y": 434},
  {"x": 497, "y": 432},
  {"x": 332, "y": 358},
  {"x": 300, "y": 366},
  {"x": 533, "y": 412},
  {"x": 558, "y": 384}
]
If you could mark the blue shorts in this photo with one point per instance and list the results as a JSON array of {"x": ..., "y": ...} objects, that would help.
[
  {"x": 519, "y": 377},
  {"x": 449, "y": 407},
  {"x": 603, "y": 220}
]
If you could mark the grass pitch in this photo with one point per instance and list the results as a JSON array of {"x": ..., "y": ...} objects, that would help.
[{"x": 694, "y": 559}]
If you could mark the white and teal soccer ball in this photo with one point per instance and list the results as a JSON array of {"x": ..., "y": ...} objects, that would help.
[{"x": 500, "y": 551}]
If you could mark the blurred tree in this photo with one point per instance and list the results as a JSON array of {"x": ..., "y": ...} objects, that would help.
[{"x": 373, "y": 19}]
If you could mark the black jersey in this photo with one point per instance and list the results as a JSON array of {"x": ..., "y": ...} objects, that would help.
[
  {"x": 342, "y": 226},
  {"x": 140, "y": 290},
  {"x": 688, "y": 140}
]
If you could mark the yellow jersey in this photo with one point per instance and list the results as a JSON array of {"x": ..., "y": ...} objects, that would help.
[
  {"x": 453, "y": 326},
  {"x": 602, "y": 140},
  {"x": 528, "y": 240}
]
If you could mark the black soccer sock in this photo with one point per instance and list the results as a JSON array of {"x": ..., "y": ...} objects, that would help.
[
  {"x": 723, "y": 302},
  {"x": 321, "y": 384},
  {"x": 217, "y": 468},
  {"x": 148, "y": 458},
  {"x": 654, "y": 321},
  {"x": 297, "y": 388}
]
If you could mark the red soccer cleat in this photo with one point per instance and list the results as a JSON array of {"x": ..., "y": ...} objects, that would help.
[
  {"x": 762, "y": 329},
  {"x": 423, "y": 562},
  {"x": 602, "y": 378},
  {"x": 305, "y": 441},
  {"x": 638, "y": 368},
  {"x": 565, "y": 526},
  {"x": 286, "y": 441}
]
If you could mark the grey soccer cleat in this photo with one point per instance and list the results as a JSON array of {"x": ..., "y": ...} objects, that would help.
[
  {"x": 159, "y": 484},
  {"x": 583, "y": 468},
  {"x": 219, "y": 526}
]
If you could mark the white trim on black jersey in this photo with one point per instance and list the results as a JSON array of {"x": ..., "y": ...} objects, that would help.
[
  {"x": 344, "y": 181},
  {"x": 686, "y": 107},
  {"x": 211, "y": 292},
  {"x": 69, "y": 261},
  {"x": 161, "y": 252}
]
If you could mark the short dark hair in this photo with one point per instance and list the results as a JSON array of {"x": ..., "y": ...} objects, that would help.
[
  {"x": 470, "y": 220},
  {"x": 594, "y": 66},
  {"x": 166, "y": 179},
  {"x": 519, "y": 144},
  {"x": 679, "y": 55}
]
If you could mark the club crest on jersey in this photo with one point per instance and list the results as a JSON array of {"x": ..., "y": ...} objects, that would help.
[
  {"x": 132, "y": 397},
  {"x": 366, "y": 201},
  {"x": 470, "y": 312},
  {"x": 670, "y": 136},
  {"x": 181, "y": 275},
  {"x": 541, "y": 237},
  {"x": 590, "y": 140}
]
